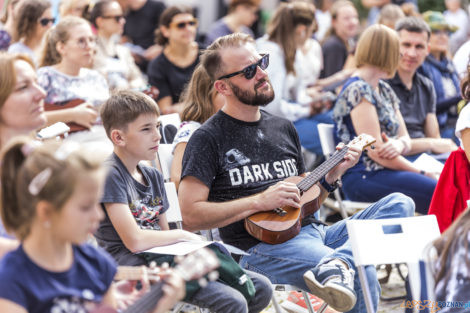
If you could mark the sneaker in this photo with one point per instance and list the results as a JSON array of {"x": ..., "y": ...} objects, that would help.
[
  {"x": 333, "y": 283},
  {"x": 295, "y": 303}
]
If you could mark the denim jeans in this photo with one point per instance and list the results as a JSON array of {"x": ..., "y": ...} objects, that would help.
[
  {"x": 308, "y": 131},
  {"x": 221, "y": 298},
  {"x": 286, "y": 263},
  {"x": 361, "y": 185}
]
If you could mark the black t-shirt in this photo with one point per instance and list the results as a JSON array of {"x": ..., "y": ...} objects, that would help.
[
  {"x": 335, "y": 54},
  {"x": 141, "y": 24},
  {"x": 415, "y": 104},
  {"x": 236, "y": 159},
  {"x": 169, "y": 78}
]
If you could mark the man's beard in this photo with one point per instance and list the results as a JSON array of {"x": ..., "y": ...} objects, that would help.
[{"x": 255, "y": 98}]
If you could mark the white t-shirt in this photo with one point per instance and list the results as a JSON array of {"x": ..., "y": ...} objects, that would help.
[
  {"x": 463, "y": 122},
  {"x": 187, "y": 128}
]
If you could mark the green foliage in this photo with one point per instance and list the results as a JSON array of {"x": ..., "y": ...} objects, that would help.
[{"x": 433, "y": 5}]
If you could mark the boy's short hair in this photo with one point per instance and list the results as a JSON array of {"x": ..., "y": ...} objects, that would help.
[
  {"x": 413, "y": 24},
  {"x": 124, "y": 107}
]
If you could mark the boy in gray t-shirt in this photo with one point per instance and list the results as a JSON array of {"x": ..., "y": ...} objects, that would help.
[{"x": 135, "y": 202}]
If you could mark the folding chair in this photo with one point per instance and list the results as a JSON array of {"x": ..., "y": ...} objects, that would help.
[
  {"x": 165, "y": 157},
  {"x": 345, "y": 207},
  {"x": 170, "y": 124},
  {"x": 386, "y": 241}
]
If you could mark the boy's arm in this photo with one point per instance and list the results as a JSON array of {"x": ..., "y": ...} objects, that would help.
[{"x": 136, "y": 239}]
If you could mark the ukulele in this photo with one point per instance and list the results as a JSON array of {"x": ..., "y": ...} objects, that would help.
[
  {"x": 191, "y": 266},
  {"x": 282, "y": 224},
  {"x": 68, "y": 104}
]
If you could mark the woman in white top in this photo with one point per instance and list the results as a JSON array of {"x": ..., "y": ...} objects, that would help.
[
  {"x": 296, "y": 61},
  {"x": 65, "y": 73},
  {"x": 112, "y": 59}
]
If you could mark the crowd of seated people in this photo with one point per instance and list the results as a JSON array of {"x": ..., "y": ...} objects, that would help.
[{"x": 73, "y": 219}]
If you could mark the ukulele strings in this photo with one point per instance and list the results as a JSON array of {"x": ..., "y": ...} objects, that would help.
[{"x": 322, "y": 170}]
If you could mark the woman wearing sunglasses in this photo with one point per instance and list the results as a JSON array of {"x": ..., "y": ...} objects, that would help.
[
  {"x": 293, "y": 68},
  {"x": 172, "y": 70},
  {"x": 112, "y": 59},
  {"x": 66, "y": 76},
  {"x": 33, "y": 19}
]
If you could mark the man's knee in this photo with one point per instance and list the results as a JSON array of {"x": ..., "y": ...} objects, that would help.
[{"x": 401, "y": 204}]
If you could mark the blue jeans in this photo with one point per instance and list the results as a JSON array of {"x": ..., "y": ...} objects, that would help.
[
  {"x": 361, "y": 185},
  {"x": 221, "y": 298},
  {"x": 308, "y": 131},
  {"x": 286, "y": 263}
]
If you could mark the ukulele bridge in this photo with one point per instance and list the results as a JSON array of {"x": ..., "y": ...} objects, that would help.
[{"x": 280, "y": 211}]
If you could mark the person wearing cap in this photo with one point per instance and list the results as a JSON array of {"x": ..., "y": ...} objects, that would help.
[
  {"x": 415, "y": 91},
  {"x": 439, "y": 68},
  {"x": 241, "y": 16}
]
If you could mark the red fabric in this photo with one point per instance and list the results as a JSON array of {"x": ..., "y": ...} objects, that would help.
[{"x": 452, "y": 190}]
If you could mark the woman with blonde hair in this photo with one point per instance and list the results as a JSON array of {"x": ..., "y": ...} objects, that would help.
[
  {"x": 73, "y": 7},
  {"x": 66, "y": 76},
  {"x": 368, "y": 105},
  {"x": 295, "y": 62},
  {"x": 7, "y": 23},
  {"x": 21, "y": 110}
]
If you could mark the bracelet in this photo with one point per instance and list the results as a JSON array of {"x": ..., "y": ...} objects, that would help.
[{"x": 329, "y": 188}]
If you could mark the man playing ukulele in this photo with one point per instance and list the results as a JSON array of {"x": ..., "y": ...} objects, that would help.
[{"x": 234, "y": 166}]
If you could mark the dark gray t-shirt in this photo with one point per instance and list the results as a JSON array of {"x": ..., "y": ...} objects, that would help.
[
  {"x": 415, "y": 104},
  {"x": 236, "y": 159},
  {"x": 146, "y": 203}
]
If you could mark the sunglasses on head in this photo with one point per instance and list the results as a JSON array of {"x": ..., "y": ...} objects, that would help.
[
  {"x": 250, "y": 71},
  {"x": 45, "y": 21},
  {"x": 117, "y": 18},
  {"x": 182, "y": 25}
]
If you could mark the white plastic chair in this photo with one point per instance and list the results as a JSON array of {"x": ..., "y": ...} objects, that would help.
[
  {"x": 165, "y": 156},
  {"x": 345, "y": 207},
  {"x": 391, "y": 241},
  {"x": 168, "y": 121}
]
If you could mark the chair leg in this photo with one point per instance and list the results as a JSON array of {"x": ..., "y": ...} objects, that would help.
[
  {"x": 276, "y": 305},
  {"x": 307, "y": 302},
  {"x": 365, "y": 289}
]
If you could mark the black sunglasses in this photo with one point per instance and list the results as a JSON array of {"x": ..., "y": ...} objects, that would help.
[
  {"x": 182, "y": 25},
  {"x": 250, "y": 71},
  {"x": 45, "y": 21},
  {"x": 117, "y": 18}
]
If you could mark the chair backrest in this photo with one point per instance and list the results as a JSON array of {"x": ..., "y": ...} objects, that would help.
[
  {"x": 173, "y": 214},
  {"x": 327, "y": 139},
  {"x": 170, "y": 125},
  {"x": 165, "y": 156},
  {"x": 399, "y": 240}
]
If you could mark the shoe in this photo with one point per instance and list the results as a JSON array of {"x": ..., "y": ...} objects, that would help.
[
  {"x": 295, "y": 303},
  {"x": 333, "y": 283}
]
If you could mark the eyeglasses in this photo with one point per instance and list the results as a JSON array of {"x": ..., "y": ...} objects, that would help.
[
  {"x": 45, "y": 21},
  {"x": 250, "y": 71},
  {"x": 182, "y": 25},
  {"x": 86, "y": 42},
  {"x": 117, "y": 18}
]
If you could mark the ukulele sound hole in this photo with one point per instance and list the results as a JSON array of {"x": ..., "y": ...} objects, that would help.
[{"x": 280, "y": 211}]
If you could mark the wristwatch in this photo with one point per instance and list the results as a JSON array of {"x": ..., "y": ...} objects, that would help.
[{"x": 328, "y": 187}]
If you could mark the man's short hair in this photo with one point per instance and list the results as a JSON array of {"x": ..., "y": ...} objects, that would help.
[
  {"x": 211, "y": 59},
  {"x": 124, "y": 107},
  {"x": 378, "y": 46},
  {"x": 413, "y": 24}
]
